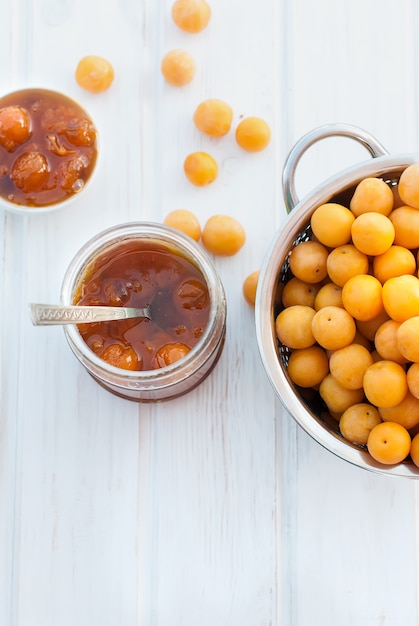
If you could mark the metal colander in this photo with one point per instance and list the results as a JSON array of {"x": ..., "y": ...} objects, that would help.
[{"x": 307, "y": 408}]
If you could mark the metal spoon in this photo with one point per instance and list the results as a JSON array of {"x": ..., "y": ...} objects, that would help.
[{"x": 50, "y": 314}]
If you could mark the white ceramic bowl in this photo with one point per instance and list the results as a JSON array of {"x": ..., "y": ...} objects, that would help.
[{"x": 57, "y": 147}]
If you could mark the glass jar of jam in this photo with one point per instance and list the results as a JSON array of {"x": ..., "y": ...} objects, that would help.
[
  {"x": 48, "y": 150},
  {"x": 145, "y": 264}
]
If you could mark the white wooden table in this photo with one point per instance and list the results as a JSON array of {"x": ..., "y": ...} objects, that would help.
[{"x": 215, "y": 508}]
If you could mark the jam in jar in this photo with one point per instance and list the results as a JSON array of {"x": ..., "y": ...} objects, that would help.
[{"x": 145, "y": 274}]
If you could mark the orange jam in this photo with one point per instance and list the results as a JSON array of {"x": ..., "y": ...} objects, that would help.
[
  {"x": 139, "y": 274},
  {"x": 48, "y": 147}
]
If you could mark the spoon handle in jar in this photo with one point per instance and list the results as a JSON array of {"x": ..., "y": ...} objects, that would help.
[{"x": 50, "y": 314}]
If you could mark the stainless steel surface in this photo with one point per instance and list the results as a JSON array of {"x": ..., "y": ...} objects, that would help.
[
  {"x": 50, "y": 314},
  {"x": 317, "y": 134}
]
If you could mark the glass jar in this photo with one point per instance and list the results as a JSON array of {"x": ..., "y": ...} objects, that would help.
[{"x": 184, "y": 374}]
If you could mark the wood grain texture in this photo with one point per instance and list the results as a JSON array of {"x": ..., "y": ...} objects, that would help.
[{"x": 214, "y": 508}]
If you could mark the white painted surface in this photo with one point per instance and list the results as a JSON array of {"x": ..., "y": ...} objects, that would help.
[{"x": 213, "y": 509}]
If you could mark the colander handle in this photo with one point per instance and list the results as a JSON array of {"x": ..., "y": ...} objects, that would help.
[{"x": 329, "y": 130}]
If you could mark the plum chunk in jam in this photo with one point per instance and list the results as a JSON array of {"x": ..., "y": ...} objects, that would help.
[
  {"x": 30, "y": 172},
  {"x": 15, "y": 127}
]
